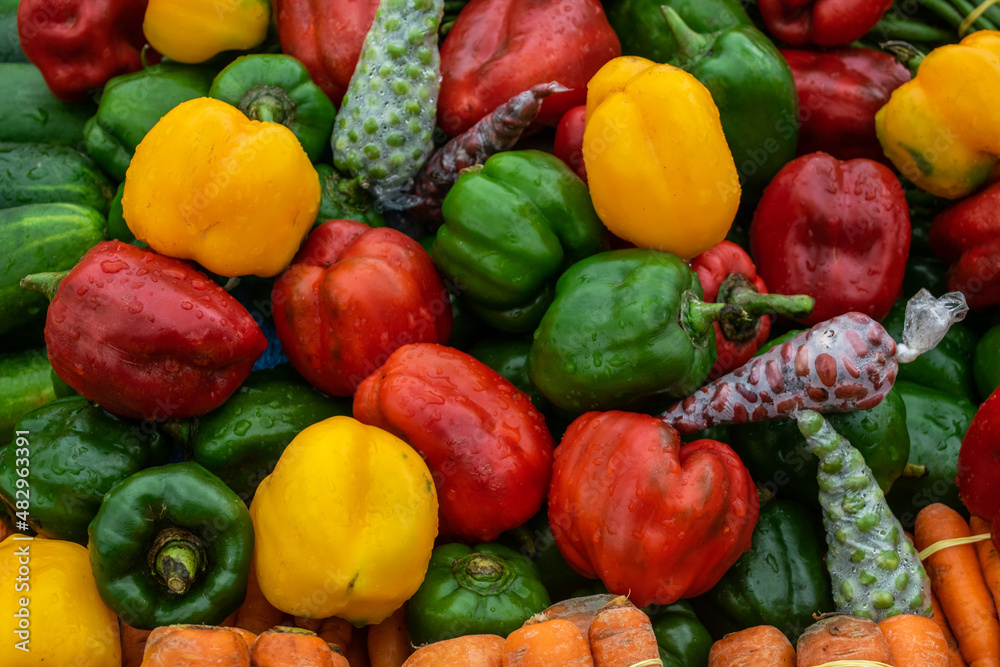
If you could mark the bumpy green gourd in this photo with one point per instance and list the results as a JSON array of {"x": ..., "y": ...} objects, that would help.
[
  {"x": 873, "y": 567},
  {"x": 383, "y": 134}
]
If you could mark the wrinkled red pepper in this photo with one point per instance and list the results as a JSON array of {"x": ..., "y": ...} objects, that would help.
[
  {"x": 839, "y": 93},
  {"x": 978, "y": 477},
  {"x": 327, "y": 37},
  {"x": 486, "y": 445},
  {"x": 80, "y": 44},
  {"x": 498, "y": 48},
  {"x": 838, "y": 231},
  {"x": 967, "y": 234},
  {"x": 631, "y": 505},
  {"x": 822, "y": 22},
  {"x": 568, "y": 142},
  {"x": 724, "y": 262},
  {"x": 352, "y": 296},
  {"x": 147, "y": 336}
]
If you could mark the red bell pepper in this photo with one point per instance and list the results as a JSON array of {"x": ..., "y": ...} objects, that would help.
[
  {"x": 327, "y": 37},
  {"x": 500, "y": 47},
  {"x": 651, "y": 518},
  {"x": 486, "y": 445},
  {"x": 147, "y": 336},
  {"x": 727, "y": 264},
  {"x": 80, "y": 44},
  {"x": 978, "y": 477},
  {"x": 836, "y": 230},
  {"x": 967, "y": 234},
  {"x": 352, "y": 296},
  {"x": 839, "y": 93},
  {"x": 822, "y": 22},
  {"x": 568, "y": 142}
]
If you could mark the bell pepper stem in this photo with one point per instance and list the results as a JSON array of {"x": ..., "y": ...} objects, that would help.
[
  {"x": 739, "y": 307},
  {"x": 44, "y": 283},
  {"x": 483, "y": 573},
  {"x": 914, "y": 470},
  {"x": 268, "y": 104},
  {"x": 690, "y": 44},
  {"x": 905, "y": 54},
  {"x": 178, "y": 558}
]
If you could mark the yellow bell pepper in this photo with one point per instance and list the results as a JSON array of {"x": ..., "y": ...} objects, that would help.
[
  {"x": 660, "y": 171},
  {"x": 50, "y": 611},
  {"x": 192, "y": 31},
  {"x": 942, "y": 129},
  {"x": 345, "y": 524},
  {"x": 208, "y": 184}
]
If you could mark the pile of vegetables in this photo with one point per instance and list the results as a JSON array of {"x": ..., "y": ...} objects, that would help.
[{"x": 398, "y": 333}]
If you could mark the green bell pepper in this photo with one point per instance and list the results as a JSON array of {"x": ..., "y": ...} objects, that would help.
[
  {"x": 628, "y": 327},
  {"x": 277, "y": 89},
  {"x": 343, "y": 198},
  {"x": 241, "y": 440},
  {"x": 778, "y": 458},
  {"x": 169, "y": 545},
  {"x": 947, "y": 367},
  {"x": 486, "y": 589},
  {"x": 642, "y": 31},
  {"x": 131, "y": 105},
  {"x": 682, "y": 639},
  {"x": 77, "y": 451},
  {"x": 534, "y": 540},
  {"x": 754, "y": 89},
  {"x": 937, "y": 422},
  {"x": 510, "y": 228},
  {"x": 986, "y": 365},
  {"x": 779, "y": 581}
]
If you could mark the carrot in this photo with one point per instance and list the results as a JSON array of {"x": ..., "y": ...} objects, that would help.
[
  {"x": 248, "y": 637},
  {"x": 334, "y": 630},
  {"x": 286, "y": 647},
  {"x": 841, "y": 637},
  {"x": 989, "y": 560},
  {"x": 581, "y": 611},
  {"x": 553, "y": 642},
  {"x": 622, "y": 635},
  {"x": 954, "y": 655},
  {"x": 759, "y": 646},
  {"x": 958, "y": 582},
  {"x": 256, "y": 614},
  {"x": 357, "y": 652},
  {"x": 4, "y": 531},
  {"x": 388, "y": 643},
  {"x": 471, "y": 650},
  {"x": 915, "y": 641},
  {"x": 133, "y": 644},
  {"x": 203, "y": 645}
]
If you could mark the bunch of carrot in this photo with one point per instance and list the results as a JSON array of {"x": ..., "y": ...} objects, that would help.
[{"x": 595, "y": 631}]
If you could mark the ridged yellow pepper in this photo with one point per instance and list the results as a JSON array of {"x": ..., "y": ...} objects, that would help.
[
  {"x": 208, "y": 184},
  {"x": 192, "y": 31},
  {"x": 660, "y": 171},
  {"x": 942, "y": 129},
  {"x": 345, "y": 524},
  {"x": 50, "y": 611}
]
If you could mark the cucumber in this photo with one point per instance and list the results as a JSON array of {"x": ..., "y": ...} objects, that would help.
[
  {"x": 32, "y": 114},
  {"x": 10, "y": 46},
  {"x": 46, "y": 173},
  {"x": 25, "y": 384},
  {"x": 37, "y": 238}
]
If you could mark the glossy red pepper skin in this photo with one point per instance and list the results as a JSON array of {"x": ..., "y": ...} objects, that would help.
[
  {"x": 327, "y": 37},
  {"x": 80, "y": 44},
  {"x": 147, "y": 336},
  {"x": 836, "y": 230},
  {"x": 352, "y": 296},
  {"x": 821, "y": 22},
  {"x": 568, "y": 142},
  {"x": 839, "y": 93},
  {"x": 631, "y": 505},
  {"x": 967, "y": 234},
  {"x": 499, "y": 48},
  {"x": 978, "y": 477},
  {"x": 713, "y": 267},
  {"x": 486, "y": 445}
]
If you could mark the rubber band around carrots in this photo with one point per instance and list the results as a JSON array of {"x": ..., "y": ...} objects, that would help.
[{"x": 944, "y": 544}]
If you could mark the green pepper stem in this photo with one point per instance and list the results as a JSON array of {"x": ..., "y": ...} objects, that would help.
[
  {"x": 44, "y": 283},
  {"x": 905, "y": 53},
  {"x": 178, "y": 558},
  {"x": 914, "y": 470},
  {"x": 268, "y": 104},
  {"x": 483, "y": 573},
  {"x": 690, "y": 44}
]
